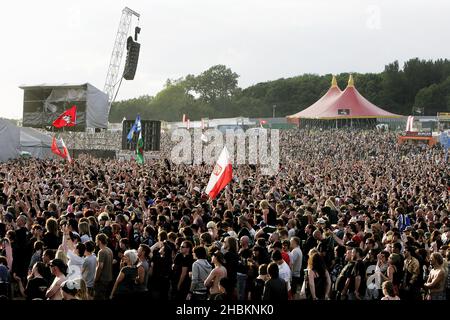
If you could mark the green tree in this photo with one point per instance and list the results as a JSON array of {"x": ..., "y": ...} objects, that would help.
[
  {"x": 218, "y": 82},
  {"x": 434, "y": 98},
  {"x": 214, "y": 93},
  {"x": 129, "y": 109}
]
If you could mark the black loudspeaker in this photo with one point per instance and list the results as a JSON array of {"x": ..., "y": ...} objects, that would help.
[
  {"x": 151, "y": 134},
  {"x": 133, "y": 49}
]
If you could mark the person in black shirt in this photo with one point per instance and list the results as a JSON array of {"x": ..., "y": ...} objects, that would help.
[
  {"x": 182, "y": 265},
  {"x": 21, "y": 249},
  {"x": 257, "y": 290},
  {"x": 310, "y": 241},
  {"x": 342, "y": 285},
  {"x": 48, "y": 256},
  {"x": 51, "y": 238},
  {"x": 269, "y": 213},
  {"x": 231, "y": 261},
  {"x": 37, "y": 285},
  {"x": 275, "y": 289},
  {"x": 358, "y": 276},
  {"x": 159, "y": 283}
]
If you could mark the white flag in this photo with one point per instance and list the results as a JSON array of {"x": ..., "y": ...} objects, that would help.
[
  {"x": 221, "y": 175},
  {"x": 409, "y": 123}
]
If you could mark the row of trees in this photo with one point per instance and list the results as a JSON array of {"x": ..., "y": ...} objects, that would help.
[{"x": 215, "y": 93}]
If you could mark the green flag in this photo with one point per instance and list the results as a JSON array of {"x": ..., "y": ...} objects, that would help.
[{"x": 140, "y": 150}]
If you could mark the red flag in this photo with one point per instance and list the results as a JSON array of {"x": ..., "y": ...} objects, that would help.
[
  {"x": 55, "y": 149},
  {"x": 221, "y": 175},
  {"x": 67, "y": 119},
  {"x": 64, "y": 154}
]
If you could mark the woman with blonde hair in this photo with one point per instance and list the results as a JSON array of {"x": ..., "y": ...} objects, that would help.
[
  {"x": 85, "y": 233},
  {"x": 83, "y": 293},
  {"x": 330, "y": 203},
  {"x": 125, "y": 286},
  {"x": 436, "y": 282},
  {"x": 60, "y": 254}
]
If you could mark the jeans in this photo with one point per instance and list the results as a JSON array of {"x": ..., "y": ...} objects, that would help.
[{"x": 241, "y": 286}]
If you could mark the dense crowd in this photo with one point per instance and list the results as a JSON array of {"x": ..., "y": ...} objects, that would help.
[{"x": 350, "y": 215}]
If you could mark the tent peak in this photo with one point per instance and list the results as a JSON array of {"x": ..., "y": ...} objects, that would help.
[
  {"x": 351, "y": 82},
  {"x": 334, "y": 82}
]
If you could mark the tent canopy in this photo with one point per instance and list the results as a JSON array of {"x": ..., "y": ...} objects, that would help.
[
  {"x": 9, "y": 140},
  {"x": 321, "y": 104},
  {"x": 15, "y": 140},
  {"x": 349, "y": 104},
  {"x": 38, "y": 144}
]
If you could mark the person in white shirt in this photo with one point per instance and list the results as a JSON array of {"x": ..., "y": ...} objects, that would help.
[
  {"x": 75, "y": 254},
  {"x": 284, "y": 270},
  {"x": 296, "y": 257}
]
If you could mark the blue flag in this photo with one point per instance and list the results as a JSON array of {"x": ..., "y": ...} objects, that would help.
[{"x": 136, "y": 128}]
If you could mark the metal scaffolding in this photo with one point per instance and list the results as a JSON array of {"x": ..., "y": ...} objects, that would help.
[{"x": 117, "y": 53}]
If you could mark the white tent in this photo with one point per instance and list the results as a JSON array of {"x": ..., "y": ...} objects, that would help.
[
  {"x": 9, "y": 140},
  {"x": 36, "y": 143},
  {"x": 15, "y": 140}
]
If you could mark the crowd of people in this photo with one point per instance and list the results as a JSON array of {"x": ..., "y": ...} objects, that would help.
[{"x": 351, "y": 215}]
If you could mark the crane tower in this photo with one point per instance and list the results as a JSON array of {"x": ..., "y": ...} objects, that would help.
[{"x": 117, "y": 53}]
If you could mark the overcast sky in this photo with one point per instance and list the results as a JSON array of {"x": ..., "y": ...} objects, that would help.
[{"x": 50, "y": 41}]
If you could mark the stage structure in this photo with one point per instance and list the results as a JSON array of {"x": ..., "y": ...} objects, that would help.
[
  {"x": 151, "y": 134},
  {"x": 122, "y": 41},
  {"x": 43, "y": 103}
]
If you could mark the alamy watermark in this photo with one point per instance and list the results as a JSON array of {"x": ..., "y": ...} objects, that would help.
[{"x": 251, "y": 147}]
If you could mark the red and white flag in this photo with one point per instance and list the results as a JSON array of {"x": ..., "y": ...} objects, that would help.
[
  {"x": 67, "y": 119},
  {"x": 221, "y": 175},
  {"x": 55, "y": 148},
  {"x": 63, "y": 154},
  {"x": 261, "y": 122},
  {"x": 66, "y": 151},
  {"x": 409, "y": 124}
]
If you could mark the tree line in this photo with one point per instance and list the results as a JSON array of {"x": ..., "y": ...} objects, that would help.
[{"x": 419, "y": 87}]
